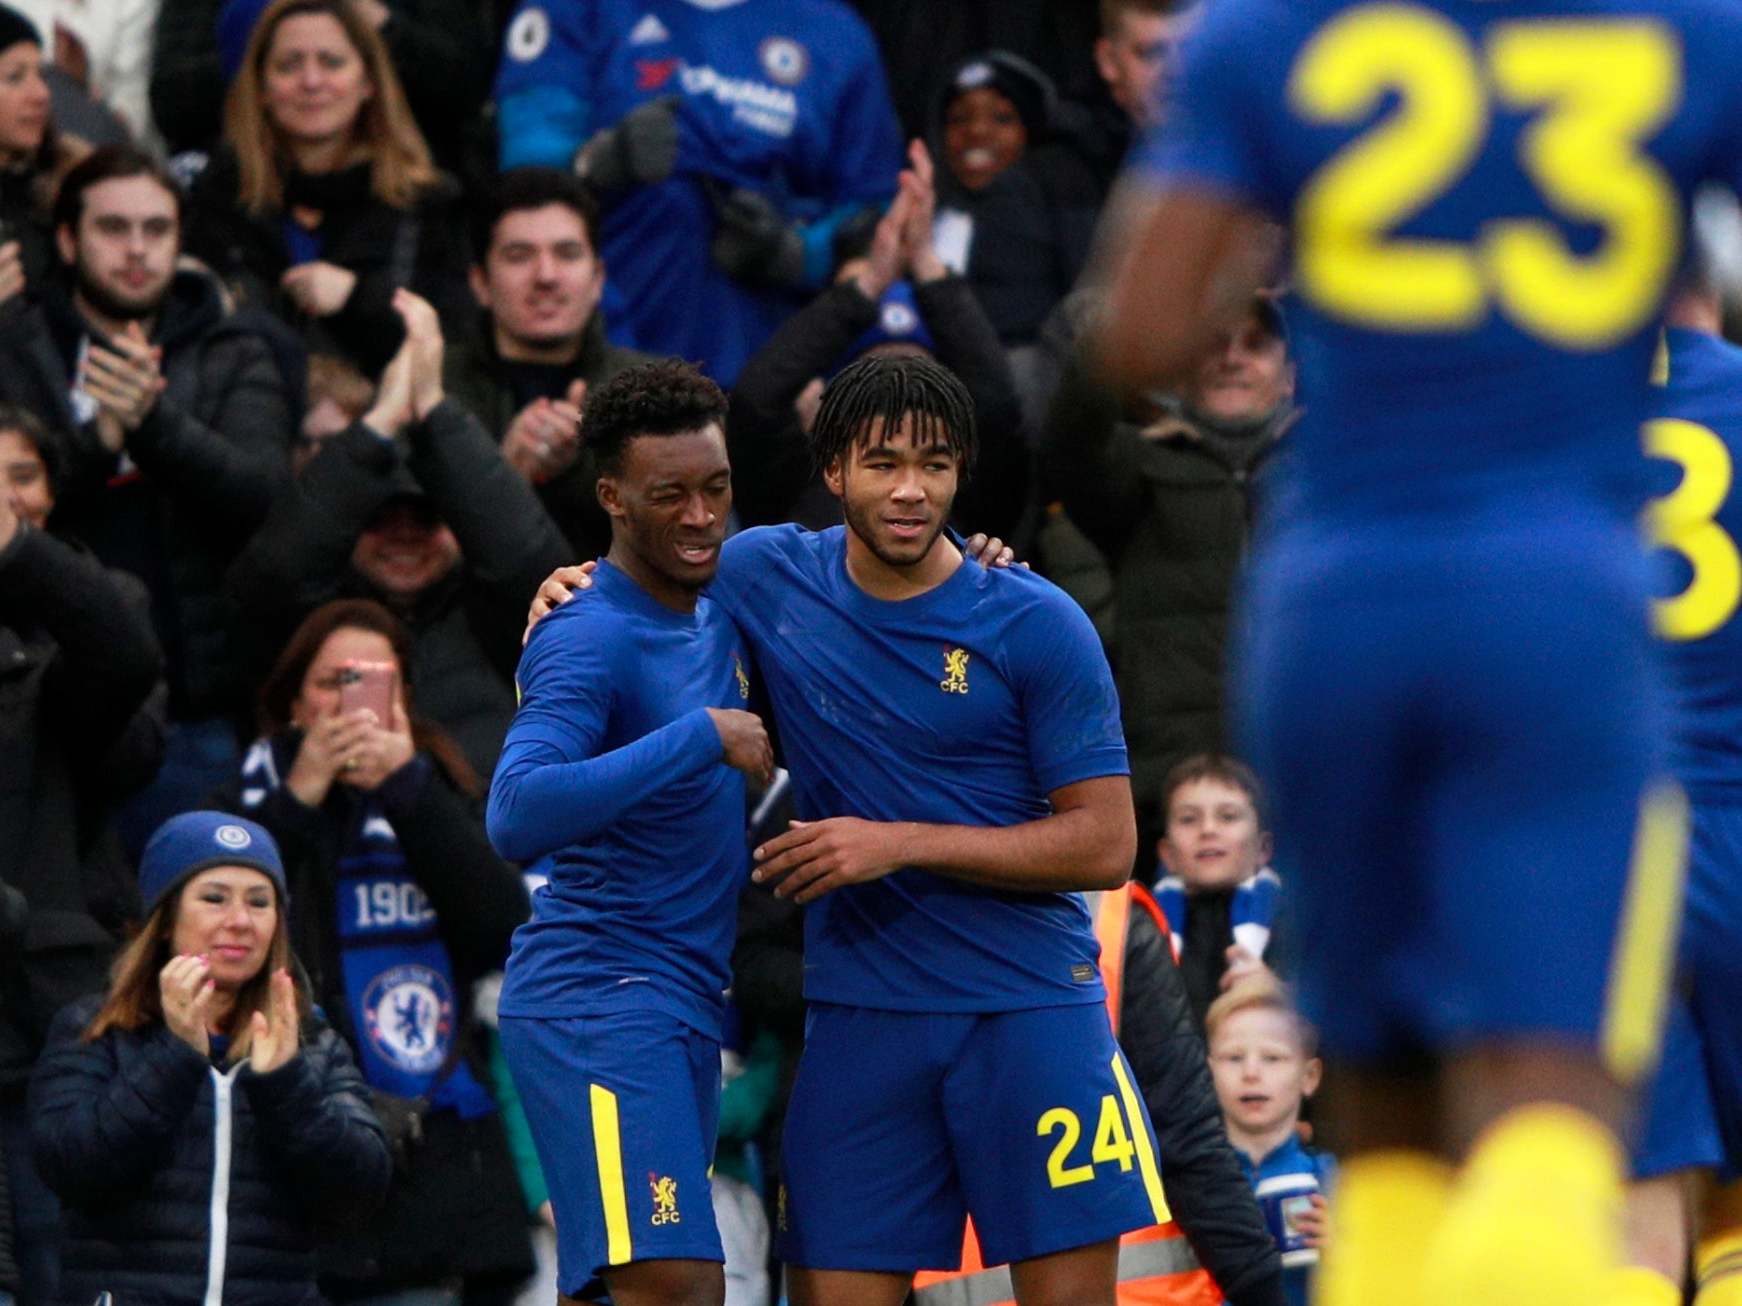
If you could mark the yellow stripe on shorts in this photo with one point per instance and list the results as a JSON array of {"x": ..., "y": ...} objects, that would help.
[
  {"x": 1140, "y": 1135},
  {"x": 608, "y": 1153},
  {"x": 1645, "y": 946}
]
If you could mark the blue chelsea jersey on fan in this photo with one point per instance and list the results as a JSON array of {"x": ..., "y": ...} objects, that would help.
[
  {"x": 1695, "y": 439},
  {"x": 966, "y": 705},
  {"x": 639, "y": 821},
  {"x": 1485, "y": 207},
  {"x": 785, "y": 98}
]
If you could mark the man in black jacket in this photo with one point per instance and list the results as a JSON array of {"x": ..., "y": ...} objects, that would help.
[
  {"x": 76, "y": 663},
  {"x": 538, "y": 278},
  {"x": 1166, "y": 490},
  {"x": 179, "y": 427},
  {"x": 421, "y": 513}
]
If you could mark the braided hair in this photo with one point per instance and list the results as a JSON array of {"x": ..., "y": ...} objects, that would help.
[{"x": 894, "y": 388}]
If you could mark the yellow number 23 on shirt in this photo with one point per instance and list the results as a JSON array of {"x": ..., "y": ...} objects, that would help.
[{"x": 1602, "y": 88}]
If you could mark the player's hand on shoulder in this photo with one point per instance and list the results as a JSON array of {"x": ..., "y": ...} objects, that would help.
[
  {"x": 992, "y": 553},
  {"x": 817, "y": 857},
  {"x": 554, "y": 591},
  {"x": 745, "y": 741}
]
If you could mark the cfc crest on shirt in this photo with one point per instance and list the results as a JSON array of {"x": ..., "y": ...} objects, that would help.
[
  {"x": 664, "y": 1189},
  {"x": 955, "y": 679},
  {"x": 743, "y": 678}
]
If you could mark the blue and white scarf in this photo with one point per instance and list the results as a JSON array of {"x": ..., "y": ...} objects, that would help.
[
  {"x": 1252, "y": 913},
  {"x": 399, "y": 979}
]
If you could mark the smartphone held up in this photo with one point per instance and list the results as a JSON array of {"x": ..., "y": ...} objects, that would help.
[{"x": 373, "y": 685}]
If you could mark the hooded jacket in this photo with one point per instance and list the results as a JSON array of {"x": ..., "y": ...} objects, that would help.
[
  {"x": 185, "y": 1180},
  {"x": 196, "y": 478},
  {"x": 1032, "y": 224}
]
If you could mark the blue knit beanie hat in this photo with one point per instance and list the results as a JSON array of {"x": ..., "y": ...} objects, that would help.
[{"x": 196, "y": 841}]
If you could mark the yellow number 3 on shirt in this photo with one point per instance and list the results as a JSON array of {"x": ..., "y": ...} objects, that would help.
[
  {"x": 1682, "y": 520},
  {"x": 1602, "y": 88}
]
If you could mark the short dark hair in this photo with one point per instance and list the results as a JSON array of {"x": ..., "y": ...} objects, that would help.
[
  {"x": 22, "y": 421},
  {"x": 532, "y": 188},
  {"x": 1230, "y": 771},
  {"x": 110, "y": 163},
  {"x": 891, "y": 388},
  {"x": 668, "y": 397},
  {"x": 1114, "y": 10}
]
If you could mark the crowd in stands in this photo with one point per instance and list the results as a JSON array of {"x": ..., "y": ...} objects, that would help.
[{"x": 300, "y": 306}]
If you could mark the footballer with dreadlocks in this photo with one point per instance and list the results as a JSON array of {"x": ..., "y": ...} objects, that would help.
[{"x": 953, "y": 738}]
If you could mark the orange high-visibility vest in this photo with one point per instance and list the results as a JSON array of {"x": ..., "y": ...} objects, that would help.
[{"x": 1156, "y": 1265}]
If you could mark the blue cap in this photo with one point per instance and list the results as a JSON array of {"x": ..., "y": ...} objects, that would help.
[
  {"x": 196, "y": 841},
  {"x": 898, "y": 319}
]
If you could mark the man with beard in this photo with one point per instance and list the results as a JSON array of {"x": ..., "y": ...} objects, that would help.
[
  {"x": 179, "y": 431},
  {"x": 633, "y": 696},
  {"x": 538, "y": 278},
  {"x": 953, "y": 738}
]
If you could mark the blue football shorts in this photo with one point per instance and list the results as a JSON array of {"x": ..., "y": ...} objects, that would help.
[
  {"x": 1461, "y": 728},
  {"x": 1693, "y": 1116},
  {"x": 901, "y": 1124},
  {"x": 623, "y": 1109}
]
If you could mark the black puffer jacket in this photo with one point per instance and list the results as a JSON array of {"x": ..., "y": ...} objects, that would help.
[
  {"x": 210, "y": 457},
  {"x": 455, "y": 1206},
  {"x": 422, "y": 248},
  {"x": 132, "y": 1131}
]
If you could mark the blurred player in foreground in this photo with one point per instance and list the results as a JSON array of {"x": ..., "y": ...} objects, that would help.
[
  {"x": 1446, "y": 676},
  {"x": 1693, "y": 1124}
]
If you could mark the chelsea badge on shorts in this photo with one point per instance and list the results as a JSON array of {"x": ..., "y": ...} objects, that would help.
[{"x": 408, "y": 1013}]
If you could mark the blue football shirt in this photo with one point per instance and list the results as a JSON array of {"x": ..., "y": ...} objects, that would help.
[
  {"x": 1485, "y": 207},
  {"x": 787, "y": 99},
  {"x": 966, "y": 705},
  {"x": 613, "y": 774},
  {"x": 1695, "y": 440}
]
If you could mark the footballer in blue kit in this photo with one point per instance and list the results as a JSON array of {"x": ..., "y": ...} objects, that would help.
[
  {"x": 1694, "y": 1116},
  {"x": 954, "y": 742},
  {"x": 624, "y": 771},
  {"x": 1446, "y": 677},
  {"x": 786, "y": 101}
]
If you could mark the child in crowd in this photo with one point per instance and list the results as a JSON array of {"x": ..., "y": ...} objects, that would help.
[
  {"x": 1219, "y": 895},
  {"x": 1262, "y": 1059}
]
